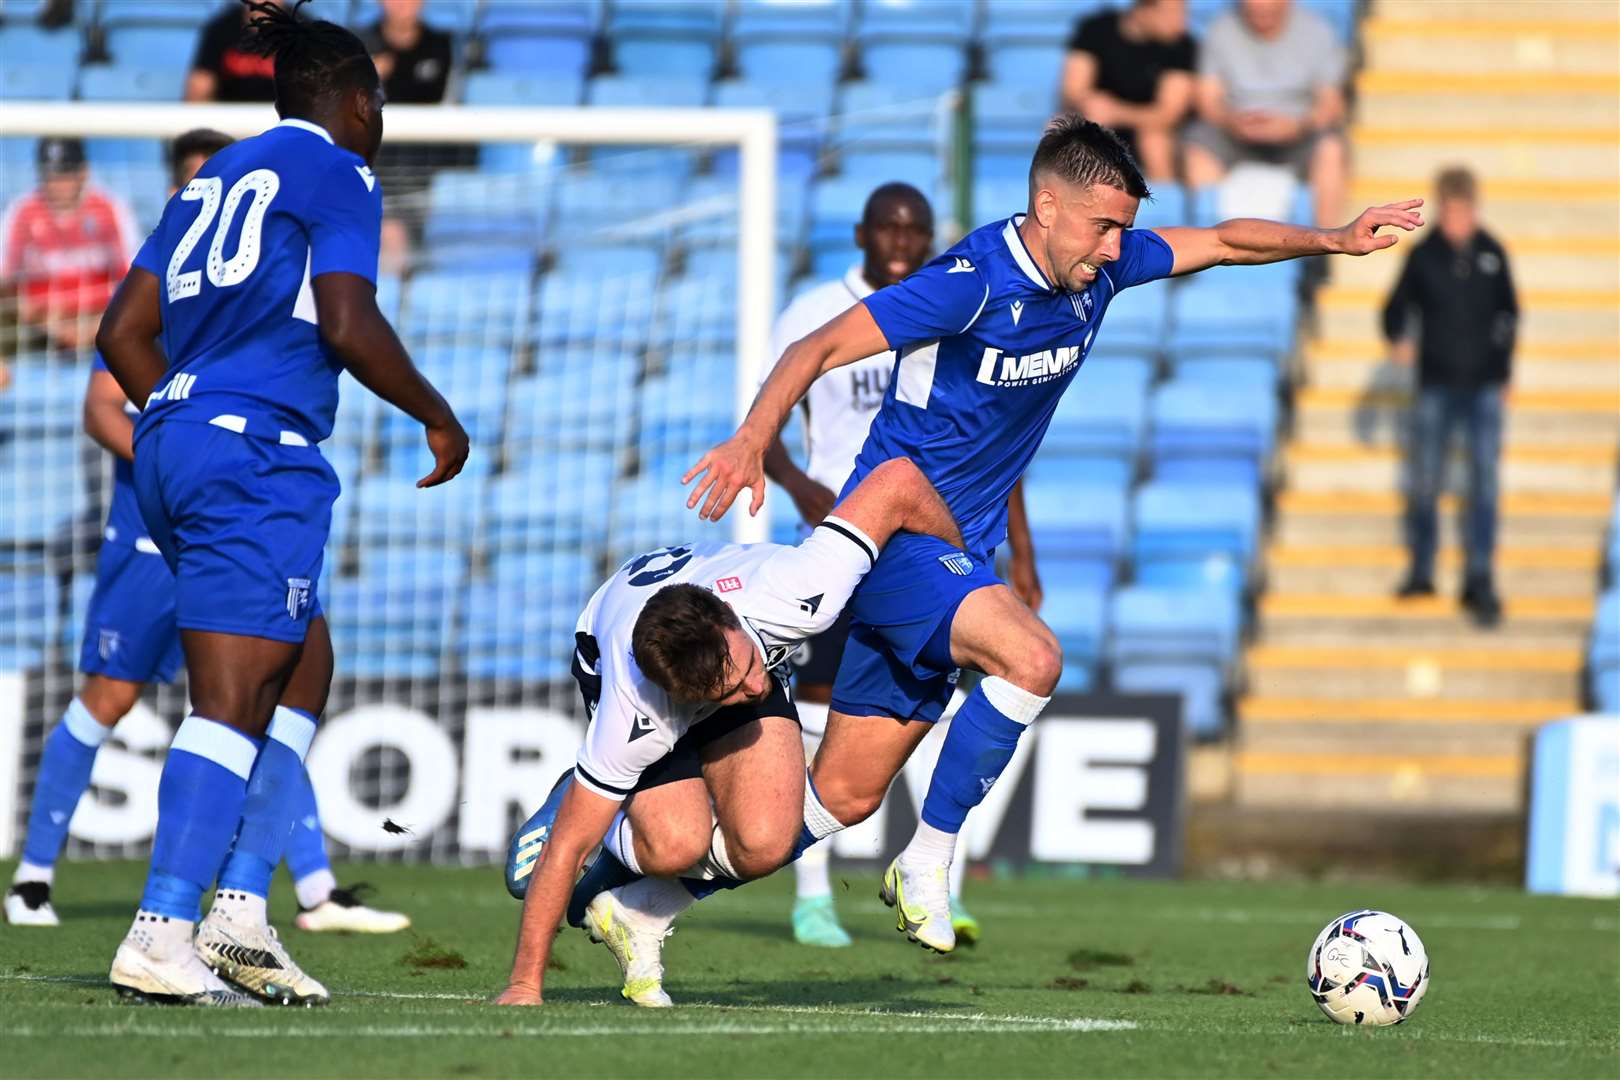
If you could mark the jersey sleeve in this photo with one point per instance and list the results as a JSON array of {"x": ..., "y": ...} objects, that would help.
[
  {"x": 801, "y": 590},
  {"x": 150, "y": 255},
  {"x": 620, "y": 744},
  {"x": 1143, "y": 257},
  {"x": 944, "y": 298},
  {"x": 344, "y": 217}
]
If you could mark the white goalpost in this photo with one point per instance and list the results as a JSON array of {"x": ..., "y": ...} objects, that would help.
[{"x": 593, "y": 290}]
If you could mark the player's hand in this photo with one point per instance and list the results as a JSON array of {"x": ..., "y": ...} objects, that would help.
[
  {"x": 518, "y": 994},
  {"x": 1360, "y": 237},
  {"x": 814, "y": 501},
  {"x": 1025, "y": 582},
  {"x": 449, "y": 445},
  {"x": 725, "y": 470}
]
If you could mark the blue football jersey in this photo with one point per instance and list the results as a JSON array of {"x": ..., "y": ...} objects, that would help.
[
  {"x": 985, "y": 348},
  {"x": 124, "y": 524},
  {"x": 234, "y": 254}
]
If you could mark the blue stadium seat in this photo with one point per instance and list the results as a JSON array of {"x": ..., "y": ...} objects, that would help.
[
  {"x": 558, "y": 55},
  {"x": 1035, "y": 20},
  {"x": 1254, "y": 377},
  {"x": 649, "y": 512},
  {"x": 28, "y": 618},
  {"x": 1195, "y": 535},
  {"x": 655, "y": 53},
  {"x": 45, "y": 398},
  {"x": 1178, "y": 641},
  {"x": 117, "y": 155},
  {"x": 661, "y": 165},
  {"x": 801, "y": 111},
  {"x": 45, "y": 474},
  {"x": 700, "y": 311},
  {"x": 115, "y": 82},
  {"x": 612, "y": 311},
  {"x": 482, "y": 208},
  {"x": 1103, "y": 412},
  {"x": 1137, "y": 322},
  {"x": 1077, "y": 614},
  {"x": 577, "y": 401},
  {"x": 394, "y": 509},
  {"x": 790, "y": 60},
  {"x": 35, "y": 82},
  {"x": 1036, "y": 66},
  {"x": 1221, "y": 312},
  {"x": 521, "y": 88},
  {"x": 610, "y": 260},
  {"x": 34, "y": 47},
  {"x": 1077, "y": 521},
  {"x": 585, "y": 198},
  {"x": 519, "y": 633},
  {"x": 153, "y": 45},
  {"x": 525, "y": 510},
  {"x": 873, "y": 117},
  {"x": 491, "y": 309},
  {"x": 919, "y": 168},
  {"x": 803, "y": 19},
  {"x": 1008, "y": 115},
  {"x": 948, "y": 20},
  {"x": 697, "y": 18},
  {"x": 643, "y": 90},
  {"x": 1168, "y": 207},
  {"x": 1211, "y": 433},
  {"x": 181, "y": 13},
  {"x": 579, "y": 18},
  {"x": 914, "y": 66}
]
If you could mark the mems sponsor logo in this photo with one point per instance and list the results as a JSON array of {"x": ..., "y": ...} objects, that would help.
[{"x": 998, "y": 368}]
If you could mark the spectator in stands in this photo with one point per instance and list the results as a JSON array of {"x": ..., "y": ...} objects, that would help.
[
  {"x": 412, "y": 58},
  {"x": 1271, "y": 90},
  {"x": 1132, "y": 71},
  {"x": 221, "y": 70},
  {"x": 64, "y": 247},
  {"x": 1455, "y": 296}
]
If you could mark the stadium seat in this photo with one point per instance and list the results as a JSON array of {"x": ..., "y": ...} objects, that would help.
[
  {"x": 1195, "y": 534},
  {"x": 1256, "y": 376},
  {"x": 1103, "y": 413},
  {"x": 519, "y": 633},
  {"x": 610, "y": 260},
  {"x": 1077, "y": 521},
  {"x": 1077, "y": 614},
  {"x": 948, "y": 20},
  {"x": 1177, "y": 641},
  {"x": 1220, "y": 312},
  {"x": 558, "y": 55},
  {"x": 697, "y": 18},
  {"x": 648, "y": 90},
  {"x": 28, "y": 617},
  {"x": 700, "y": 311},
  {"x": 1008, "y": 115},
  {"x": 791, "y": 60},
  {"x": 587, "y": 200},
  {"x": 117, "y": 13},
  {"x": 1036, "y": 66},
  {"x": 1211, "y": 433},
  {"x": 153, "y": 45},
  {"x": 1168, "y": 207},
  {"x": 491, "y": 309},
  {"x": 48, "y": 50},
  {"x": 577, "y": 18},
  {"x": 803, "y": 19},
  {"x": 612, "y": 311},
  {"x": 872, "y": 118},
  {"x": 524, "y": 511},
  {"x": 116, "y": 82},
  {"x": 478, "y": 208},
  {"x": 35, "y": 82},
  {"x": 577, "y": 401},
  {"x": 666, "y": 54},
  {"x": 1136, "y": 323},
  {"x": 521, "y": 88},
  {"x": 801, "y": 111},
  {"x": 1035, "y": 20},
  {"x": 871, "y": 168},
  {"x": 914, "y": 66},
  {"x": 394, "y": 509},
  {"x": 649, "y": 513}
]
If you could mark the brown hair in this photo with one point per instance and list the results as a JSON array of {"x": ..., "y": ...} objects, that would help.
[
  {"x": 1085, "y": 153},
  {"x": 1456, "y": 182},
  {"x": 679, "y": 641}
]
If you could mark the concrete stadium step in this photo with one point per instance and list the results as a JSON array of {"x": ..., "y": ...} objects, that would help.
[
  {"x": 1462, "y": 783},
  {"x": 1388, "y": 99},
  {"x": 1499, "y": 11},
  {"x": 1328, "y": 620},
  {"x": 1542, "y": 208},
  {"x": 1379, "y": 416},
  {"x": 1398, "y": 724},
  {"x": 1575, "y": 469},
  {"x": 1356, "y": 364},
  {"x": 1441, "y": 673},
  {"x": 1528, "y": 153},
  {"x": 1482, "y": 44},
  {"x": 1530, "y": 519},
  {"x": 1551, "y": 316},
  {"x": 1592, "y": 261},
  {"x": 1350, "y": 570}
]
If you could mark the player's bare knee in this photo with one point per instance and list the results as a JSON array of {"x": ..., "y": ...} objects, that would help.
[
  {"x": 757, "y": 848},
  {"x": 108, "y": 700},
  {"x": 670, "y": 854},
  {"x": 1038, "y": 664}
]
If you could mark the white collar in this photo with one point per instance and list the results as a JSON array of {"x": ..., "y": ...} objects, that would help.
[
  {"x": 855, "y": 281},
  {"x": 1021, "y": 255},
  {"x": 305, "y": 125}
]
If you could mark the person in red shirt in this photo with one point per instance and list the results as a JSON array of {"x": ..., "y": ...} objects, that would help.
[{"x": 64, "y": 247}]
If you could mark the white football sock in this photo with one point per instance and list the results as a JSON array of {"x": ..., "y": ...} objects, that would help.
[
  {"x": 655, "y": 901},
  {"x": 314, "y": 888},
  {"x": 240, "y": 907},
  {"x": 810, "y": 873},
  {"x": 27, "y": 872},
  {"x": 716, "y": 863},
  {"x": 959, "y": 866},
  {"x": 929, "y": 847},
  {"x": 160, "y": 936},
  {"x": 817, "y": 818},
  {"x": 620, "y": 842}
]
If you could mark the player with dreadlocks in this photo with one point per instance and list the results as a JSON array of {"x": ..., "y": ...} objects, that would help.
[{"x": 255, "y": 290}]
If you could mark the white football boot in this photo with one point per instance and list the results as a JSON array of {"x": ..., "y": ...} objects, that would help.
[
  {"x": 153, "y": 967},
  {"x": 344, "y": 911},
  {"x": 253, "y": 957},
  {"x": 922, "y": 903},
  {"x": 637, "y": 944},
  {"x": 28, "y": 903}
]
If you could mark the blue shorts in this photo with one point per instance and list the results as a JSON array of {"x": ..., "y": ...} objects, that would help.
[
  {"x": 242, "y": 522},
  {"x": 130, "y": 633},
  {"x": 898, "y": 659}
]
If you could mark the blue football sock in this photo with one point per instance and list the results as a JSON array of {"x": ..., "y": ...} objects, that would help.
[
  {"x": 267, "y": 810},
  {"x": 199, "y": 804},
  {"x": 699, "y": 888},
  {"x": 306, "y": 847},
  {"x": 978, "y": 746},
  {"x": 64, "y": 774}
]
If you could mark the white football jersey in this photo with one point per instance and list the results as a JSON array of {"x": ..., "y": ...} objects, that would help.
[
  {"x": 840, "y": 405},
  {"x": 782, "y": 594}
]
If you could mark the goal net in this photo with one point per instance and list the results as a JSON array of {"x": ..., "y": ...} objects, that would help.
[{"x": 591, "y": 289}]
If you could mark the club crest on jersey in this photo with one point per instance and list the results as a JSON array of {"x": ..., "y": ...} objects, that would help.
[
  {"x": 1082, "y": 304},
  {"x": 728, "y": 584},
  {"x": 957, "y": 563},
  {"x": 997, "y": 368},
  {"x": 297, "y": 596},
  {"x": 108, "y": 643}
]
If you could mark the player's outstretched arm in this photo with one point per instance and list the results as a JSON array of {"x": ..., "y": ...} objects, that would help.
[
  {"x": 896, "y": 496},
  {"x": 1251, "y": 241},
  {"x": 127, "y": 336},
  {"x": 739, "y": 462},
  {"x": 582, "y": 821},
  {"x": 104, "y": 417},
  {"x": 353, "y": 327}
]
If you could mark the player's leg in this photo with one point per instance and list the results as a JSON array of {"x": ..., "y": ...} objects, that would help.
[
  {"x": 815, "y": 917},
  {"x": 1426, "y": 458},
  {"x": 65, "y": 766},
  {"x": 1482, "y": 410}
]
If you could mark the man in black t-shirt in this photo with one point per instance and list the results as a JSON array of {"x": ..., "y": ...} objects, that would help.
[
  {"x": 221, "y": 70},
  {"x": 412, "y": 58},
  {"x": 1132, "y": 71}
]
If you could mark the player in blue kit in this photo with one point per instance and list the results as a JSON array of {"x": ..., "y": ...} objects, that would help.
[
  {"x": 130, "y": 639},
  {"x": 988, "y": 336},
  {"x": 259, "y": 281}
]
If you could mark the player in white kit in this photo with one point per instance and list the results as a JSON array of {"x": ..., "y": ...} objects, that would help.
[
  {"x": 895, "y": 236},
  {"x": 681, "y": 658}
]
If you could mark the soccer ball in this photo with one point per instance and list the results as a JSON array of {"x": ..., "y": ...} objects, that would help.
[{"x": 1367, "y": 967}]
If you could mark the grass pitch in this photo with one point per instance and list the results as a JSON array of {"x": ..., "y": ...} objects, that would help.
[{"x": 1093, "y": 978}]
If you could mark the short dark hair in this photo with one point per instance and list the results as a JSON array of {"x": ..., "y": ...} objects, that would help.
[
  {"x": 204, "y": 141},
  {"x": 1457, "y": 182},
  {"x": 679, "y": 641},
  {"x": 1086, "y": 153},
  {"x": 316, "y": 61},
  {"x": 895, "y": 191}
]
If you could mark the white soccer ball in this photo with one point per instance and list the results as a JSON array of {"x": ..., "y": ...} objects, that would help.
[{"x": 1367, "y": 967}]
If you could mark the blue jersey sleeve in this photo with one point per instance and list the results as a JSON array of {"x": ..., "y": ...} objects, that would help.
[
  {"x": 942, "y": 299},
  {"x": 150, "y": 257},
  {"x": 99, "y": 363},
  {"x": 1143, "y": 257},
  {"x": 344, "y": 218}
]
